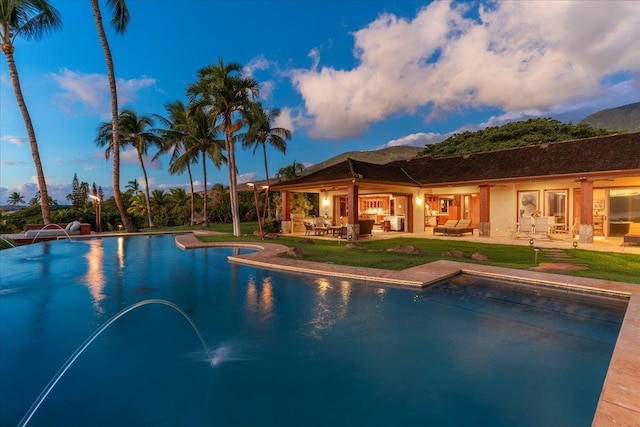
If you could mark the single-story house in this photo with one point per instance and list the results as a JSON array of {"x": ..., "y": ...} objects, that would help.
[{"x": 589, "y": 186}]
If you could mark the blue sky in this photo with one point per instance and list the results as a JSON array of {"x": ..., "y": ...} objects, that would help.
[{"x": 348, "y": 75}]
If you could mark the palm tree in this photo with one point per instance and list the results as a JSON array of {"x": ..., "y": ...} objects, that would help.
[
  {"x": 222, "y": 89},
  {"x": 30, "y": 19},
  {"x": 290, "y": 172},
  {"x": 133, "y": 186},
  {"x": 138, "y": 205},
  {"x": 119, "y": 21},
  {"x": 260, "y": 133},
  {"x": 177, "y": 200},
  {"x": 134, "y": 131},
  {"x": 175, "y": 135},
  {"x": 200, "y": 139},
  {"x": 15, "y": 199},
  {"x": 35, "y": 200}
]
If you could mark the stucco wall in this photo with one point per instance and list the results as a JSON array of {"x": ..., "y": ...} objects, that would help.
[{"x": 503, "y": 210}]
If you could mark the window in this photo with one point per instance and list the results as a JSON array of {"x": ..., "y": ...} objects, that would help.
[
  {"x": 556, "y": 205},
  {"x": 624, "y": 209},
  {"x": 444, "y": 205}
]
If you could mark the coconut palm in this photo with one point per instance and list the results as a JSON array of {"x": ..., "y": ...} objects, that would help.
[
  {"x": 200, "y": 140},
  {"x": 15, "y": 199},
  {"x": 174, "y": 137},
  {"x": 138, "y": 205},
  {"x": 133, "y": 186},
  {"x": 135, "y": 131},
  {"x": 31, "y": 20},
  {"x": 290, "y": 172},
  {"x": 228, "y": 95},
  {"x": 35, "y": 200},
  {"x": 177, "y": 201},
  {"x": 262, "y": 133},
  {"x": 119, "y": 21}
]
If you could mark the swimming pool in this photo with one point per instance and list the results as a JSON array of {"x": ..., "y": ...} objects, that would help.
[{"x": 288, "y": 349}]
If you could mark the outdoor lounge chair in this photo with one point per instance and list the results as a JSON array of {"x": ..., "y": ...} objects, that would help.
[
  {"x": 450, "y": 223},
  {"x": 633, "y": 236},
  {"x": 463, "y": 226}
]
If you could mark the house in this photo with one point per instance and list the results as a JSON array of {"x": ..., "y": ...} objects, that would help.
[{"x": 590, "y": 185}]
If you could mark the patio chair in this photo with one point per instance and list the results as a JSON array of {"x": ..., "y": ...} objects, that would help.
[
  {"x": 308, "y": 228},
  {"x": 366, "y": 226},
  {"x": 523, "y": 228},
  {"x": 450, "y": 223},
  {"x": 343, "y": 234},
  {"x": 542, "y": 226},
  {"x": 463, "y": 226}
]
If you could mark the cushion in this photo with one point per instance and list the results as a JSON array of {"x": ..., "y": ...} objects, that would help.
[
  {"x": 68, "y": 227},
  {"x": 75, "y": 226}
]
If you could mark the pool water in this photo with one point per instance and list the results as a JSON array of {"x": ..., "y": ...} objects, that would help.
[{"x": 288, "y": 350}]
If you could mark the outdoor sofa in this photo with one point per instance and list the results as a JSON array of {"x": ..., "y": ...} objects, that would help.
[{"x": 57, "y": 230}]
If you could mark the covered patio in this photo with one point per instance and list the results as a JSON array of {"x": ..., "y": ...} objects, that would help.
[{"x": 585, "y": 189}]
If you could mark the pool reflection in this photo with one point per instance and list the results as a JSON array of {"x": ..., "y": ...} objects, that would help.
[{"x": 94, "y": 278}]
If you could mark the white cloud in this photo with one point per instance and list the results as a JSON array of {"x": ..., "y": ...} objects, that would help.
[
  {"x": 15, "y": 140},
  {"x": 518, "y": 56},
  {"x": 87, "y": 94},
  {"x": 12, "y": 163},
  {"x": 247, "y": 177},
  {"x": 285, "y": 120},
  {"x": 257, "y": 63},
  {"x": 131, "y": 156},
  {"x": 416, "y": 140}
]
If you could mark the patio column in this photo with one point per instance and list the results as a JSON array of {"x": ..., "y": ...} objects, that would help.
[
  {"x": 484, "y": 228},
  {"x": 286, "y": 224},
  {"x": 586, "y": 211},
  {"x": 352, "y": 218}
]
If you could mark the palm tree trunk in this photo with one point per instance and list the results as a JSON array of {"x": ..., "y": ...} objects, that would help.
[
  {"x": 146, "y": 190},
  {"x": 124, "y": 216},
  {"x": 233, "y": 184},
  {"x": 267, "y": 206},
  {"x": 42, "y": 184},
  {"x": 205, "y": 223},
  {"x": 193, "y": 196}
]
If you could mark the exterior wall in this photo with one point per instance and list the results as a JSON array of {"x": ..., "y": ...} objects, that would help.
[
  {"x": 503, "y": 210},
  {"x": 503, "y": 199}
]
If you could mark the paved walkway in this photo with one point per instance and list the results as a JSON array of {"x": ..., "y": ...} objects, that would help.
[{"x": 620, "y": 399}]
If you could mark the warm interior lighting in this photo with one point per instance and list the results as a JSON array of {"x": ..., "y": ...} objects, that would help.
[
  {"x": 325, "y": 202},
  {"x": 419, "y": 200}
]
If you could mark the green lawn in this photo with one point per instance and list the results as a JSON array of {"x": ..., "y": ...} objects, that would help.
[{"x": 601, "y": 265}]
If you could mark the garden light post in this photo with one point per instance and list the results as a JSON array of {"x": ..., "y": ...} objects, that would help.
[
  {"x": 255, "y": 197},
  {"x": 98, "y": 204}
]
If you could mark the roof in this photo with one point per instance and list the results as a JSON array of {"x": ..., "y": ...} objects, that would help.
[
  {"x": 614, "y": 154},
  {"x": 349, "y": 170},
  {"x": 576, "y": 157}
]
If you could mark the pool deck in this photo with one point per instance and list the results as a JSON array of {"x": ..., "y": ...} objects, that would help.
[{"x": 619, "y": 403}]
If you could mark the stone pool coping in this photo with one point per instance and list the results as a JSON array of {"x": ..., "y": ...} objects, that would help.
[{"x": 619, "y": 402}]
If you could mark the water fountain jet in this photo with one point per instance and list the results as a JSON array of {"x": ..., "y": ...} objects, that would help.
[{"x": 36, "y": 404}]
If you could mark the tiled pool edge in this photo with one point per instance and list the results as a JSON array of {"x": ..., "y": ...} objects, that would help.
[{"x": 619, "y": 403}]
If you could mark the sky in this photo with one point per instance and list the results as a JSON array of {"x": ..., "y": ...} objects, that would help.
[{"x": 348, "y": 75}]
